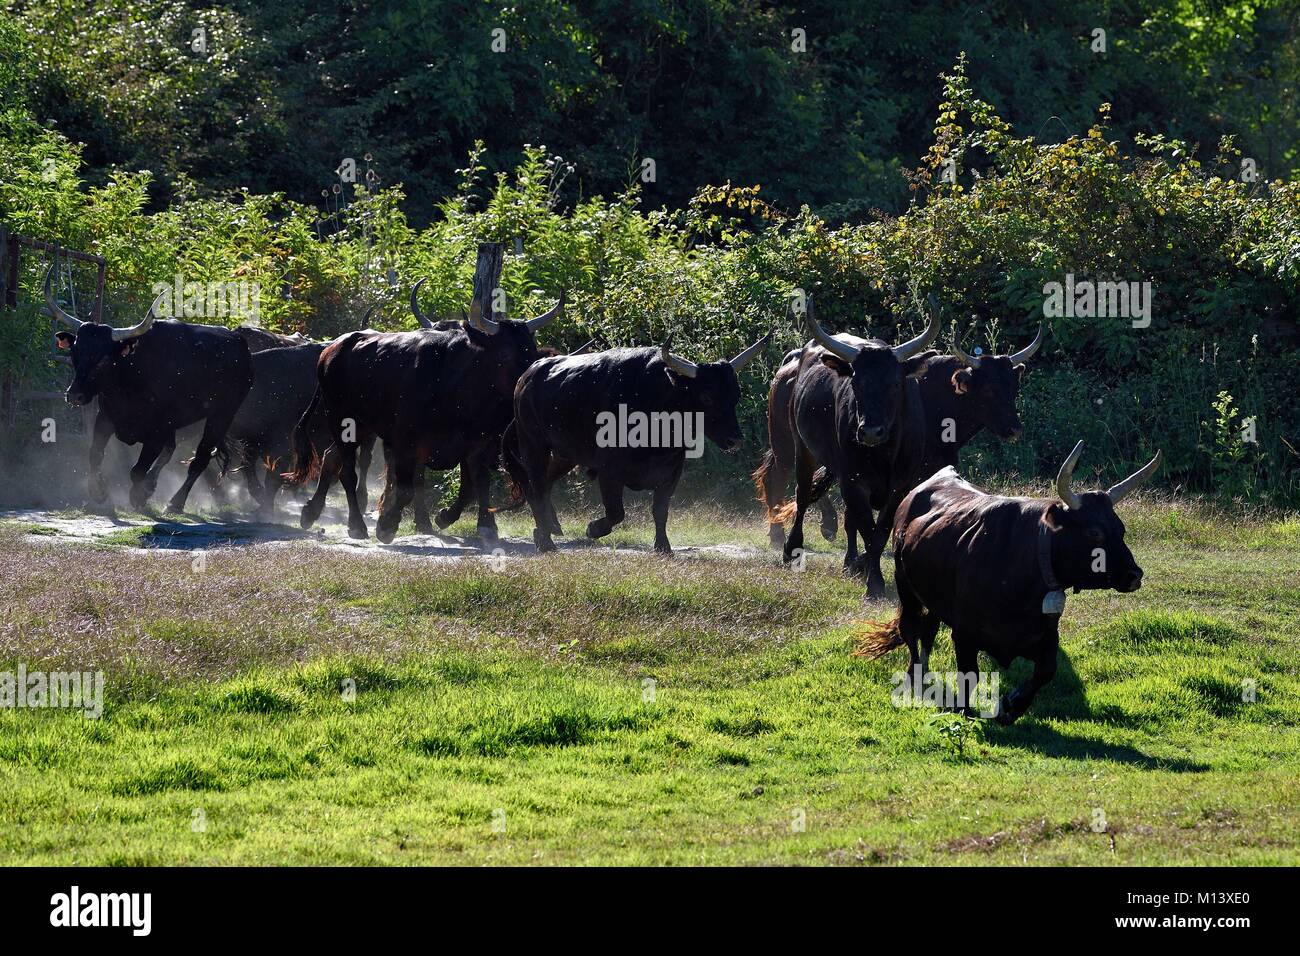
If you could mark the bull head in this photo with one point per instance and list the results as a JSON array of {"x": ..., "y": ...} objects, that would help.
[
  {"x": 95, "y": 347},
  {"x": 875, "y": 371},
  {"x": 713, "y": 389},
  {"x": 1088, "y": 549},
  {"x": 992, "y": 383}
]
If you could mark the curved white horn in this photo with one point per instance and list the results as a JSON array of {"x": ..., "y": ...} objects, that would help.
[
  {"x": 584, "y": 348},
  {"x": 57, "y": 312},
  {"x": 1025, "y": 354},
  {"x": 847, "y": 352},
  {"x": 676, "y": 363},
  {"x": 415, "y": 306},
  {"x": 743, "y": 359},
  {"x": 545, "y": 317},
  {"x": 1134, "y": 481},
  {"x": 972, "y": 360},
  {"x": 1063, "y": 479},
  {"x": 121, "y": 335},
  {"x": 485, "y": 324},
  {"x": 913, "y": 346}
]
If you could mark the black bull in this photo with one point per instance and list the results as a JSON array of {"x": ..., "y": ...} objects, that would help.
[
  {"x": 437, "y": 397},
  {"x": 994, "y": 569},
  {"x": 152, "y": 379},
  {"x": 957, "y": 397},
  {"x": 847, "y": 399},
  {"x": 559, "y": 405}
]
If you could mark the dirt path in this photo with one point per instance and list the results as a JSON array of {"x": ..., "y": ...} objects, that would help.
[{"x": 187, "y": 533}]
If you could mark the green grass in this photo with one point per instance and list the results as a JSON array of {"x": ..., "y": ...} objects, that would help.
[{"x": 294, "y": 705}]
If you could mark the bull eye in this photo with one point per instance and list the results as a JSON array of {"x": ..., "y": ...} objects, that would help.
[{"x": 1096, "y": 535}]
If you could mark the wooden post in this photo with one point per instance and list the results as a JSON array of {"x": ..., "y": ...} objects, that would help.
[{"x": 487, "y": 277}]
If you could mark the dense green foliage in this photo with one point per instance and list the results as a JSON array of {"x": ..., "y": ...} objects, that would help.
[
  {"x": 1223, "y": 256},
  {"x": 279, "y": 91}
]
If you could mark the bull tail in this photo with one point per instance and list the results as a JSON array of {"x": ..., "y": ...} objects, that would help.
[
  {"x": 821, "y": 482},
  {"x": 879, "y": 638},
  {"x": 306, "y": 458},
  {"x": 517, "y": 476},
  {"x": 760, "y": 480}
]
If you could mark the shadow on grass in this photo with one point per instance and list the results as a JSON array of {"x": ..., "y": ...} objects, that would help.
[{"x": 1066, "y": 699}]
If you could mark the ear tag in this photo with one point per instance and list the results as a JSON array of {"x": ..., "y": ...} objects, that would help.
[{"x": 1054, "y": 602}]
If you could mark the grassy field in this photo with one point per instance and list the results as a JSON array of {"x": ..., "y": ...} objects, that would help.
[{"x": 502, "y": 711}]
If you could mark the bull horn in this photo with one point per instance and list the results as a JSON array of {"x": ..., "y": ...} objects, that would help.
[
  {"x": 972, "y": 360},
  {"x": 415, "y": 306},
  {"x": 584, "y": 348},
  {"x": 676, "y": 363},
  {"x": 122, "y": 335},
  {"x": 913, "y": 346},
  {"x": 1025, "y": 354},
  {"x": 58, "y": 313},
  {"x": 546, "y": 317},
  {"x": 485, "y": 324},
  {"x": 1063, "y": 479},
  {"x": 1134, "y": 481},
  {"x": 743, "y": 359},
  {"x": 846, "y": 352},
  {"x": 365, "y": 319}
]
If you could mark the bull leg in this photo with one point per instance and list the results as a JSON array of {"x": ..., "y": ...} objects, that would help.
[
  {"x": 420, "y": 502},
  {"x": 213, "y": 431},
  {"x": 347, "y": 453},
  {"x": 329, "y": 469},
  {"x": 1014, "y": 705},
  {"x": 804, "y": 466},
  {"x": 829, "y": 518},
  {"x": 874, "y": 542},
  {"x": 164, "y": 456},
  {"x": 402, "y": 467},
  {"x": 917, "y": 627},
  {"x": 149, "y": 452},
  {"x": 103, "y": 431},
  {"x": 448, "y": 516},
  {"x": 611, "y": 496},
  {"x": 857, "y": 511},
  {"x": 664, "y": 495},
  {"x": 966, "y": 650},
  {"x": 480, "y": 470},
  {"x": 534, "y": 458},
  {"x": 365, "y": 451},
  {"x": 271, "y": 483}
]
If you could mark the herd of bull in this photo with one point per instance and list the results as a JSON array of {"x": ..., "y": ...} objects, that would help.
[{"x": 883, "y": 422}]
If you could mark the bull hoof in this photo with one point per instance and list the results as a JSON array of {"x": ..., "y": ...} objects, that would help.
[
  {"x": 555, "y": 528},
  {"x": 776, "y": 536},
  {"x": 423, "y": 526},
  {"x": 487, "y": 533},
  {"x": 543, "y": 540},
  {"x": 96, "y": 489},
  {"x": 598, "y": 528},
  {"x": 360, "y": 532},
  {"x": 875, "y": 589},
  {"x": 445, "y": 518},
  {"x": 307, "y": 518},
  {"x": 830, "y": 529},
  {"x": 663, "y": 548}
]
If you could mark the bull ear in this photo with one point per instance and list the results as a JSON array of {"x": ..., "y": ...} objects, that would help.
[
  {"x": 961, "y": 381},
  {"x": 65, "y": 340},
  {"x": 127, "y": 347},
  {"x": 836, "y": 364}
]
